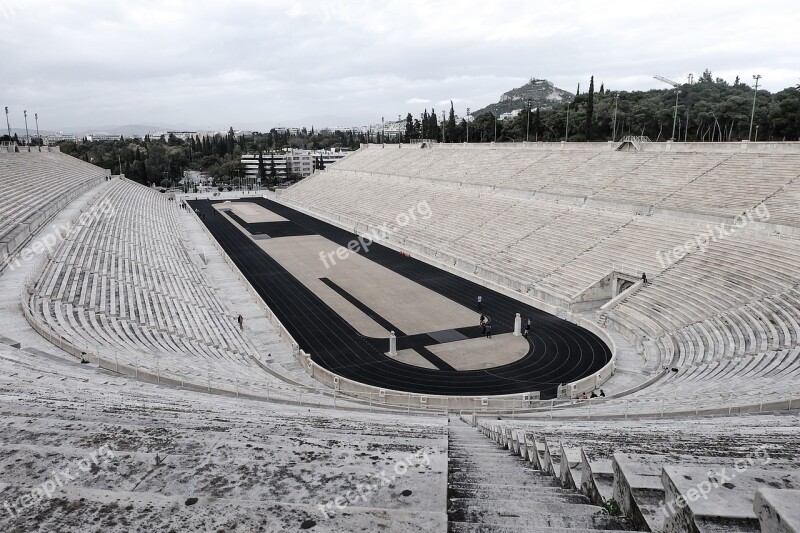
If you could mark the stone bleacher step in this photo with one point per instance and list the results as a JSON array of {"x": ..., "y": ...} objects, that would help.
[
  {"x": 470, "y": 527},
  {"x": 501, "y": 495},
  {"x": 492, "y": 489},
  {"x": 523, "y": 508},
  {"x": 563, "y": 520},
  {"x": 72, "y": 507},
  {"x": 506, "y": 477}
]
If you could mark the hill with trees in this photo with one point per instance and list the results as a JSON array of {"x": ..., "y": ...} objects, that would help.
[
  {"x": 712, "y": 109},
  {"x": 541, "y": 94}
]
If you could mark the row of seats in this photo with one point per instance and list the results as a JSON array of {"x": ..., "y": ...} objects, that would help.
[
  {"x": 639, "y": 469},
  {"x": 33, "y": 187},
  {"x": 722, "y": 184},
  {"x": 122, "y": 284}
]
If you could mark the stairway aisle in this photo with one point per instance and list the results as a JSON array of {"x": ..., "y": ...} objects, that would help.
[{"x": 492, "y": 490}]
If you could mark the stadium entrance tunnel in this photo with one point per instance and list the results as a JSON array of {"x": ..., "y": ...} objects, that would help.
[{"x": 558, "y": 351}]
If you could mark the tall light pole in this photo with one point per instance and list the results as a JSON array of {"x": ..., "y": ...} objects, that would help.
[
  {"x": 614, "y": 134},
  {"x": 753, "y": 112},
  {"x": 528, "y": 125},
  {"x": 443, "y": 126},
  {"x": 9, "y": 125},
  {"x": 39, "y": 137},
  {"x": 495, "y": 128},
  {"x": 567, "y": 138},
  {"x": 398, "y": 129},
  {"x": 27, "y": 135},
  {"x": 421, "y": 126},
  {"x": 467, "y": 125},
  {"x": 675, "y": 114}
]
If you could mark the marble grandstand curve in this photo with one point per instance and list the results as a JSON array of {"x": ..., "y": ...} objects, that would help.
[{"x": 734, "y": 303}]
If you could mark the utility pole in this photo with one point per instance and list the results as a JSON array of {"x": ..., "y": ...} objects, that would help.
[
  {"x": 27, "y": 135},
  {"x": 528, "y": 126},
  {"x": 398, "y": 130},
  {"x": 383, "y": 130},
  {"x": 614, "y": 134},
  {"x": 9, "y": 125},
  {"x": 567, "y": 139},
  {"x": 753, "y": 112},
  {"x": 467, "y": 125},
  {"x": 443, "y": 126},
  {"x": 39, "y": 137},
  {"x": 495, "y": 128}
]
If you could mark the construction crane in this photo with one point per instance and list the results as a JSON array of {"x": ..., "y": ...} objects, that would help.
[
  {"x": 677, "y": 93},
  {"x": 667, "y": 81}
]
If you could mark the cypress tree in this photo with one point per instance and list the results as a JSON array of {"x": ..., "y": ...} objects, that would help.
[
  {"x": 273, "y": 174},
  {"x": 590, "y": 110},
  {"x": 451, "y": 124},
  {"x": 262, "y": 172}
]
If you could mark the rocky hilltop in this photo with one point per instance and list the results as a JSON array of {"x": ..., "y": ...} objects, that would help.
[{"x": 542, "y": 94}]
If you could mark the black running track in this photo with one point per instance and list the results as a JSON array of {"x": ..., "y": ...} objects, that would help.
[{"x": 560, "y": 351}]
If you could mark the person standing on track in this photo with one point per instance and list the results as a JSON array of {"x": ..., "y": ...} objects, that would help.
[
  {"x": 489, "y": 331},
  {"x": 480, "y": 301},
  {"x": 527, "y": 328}
]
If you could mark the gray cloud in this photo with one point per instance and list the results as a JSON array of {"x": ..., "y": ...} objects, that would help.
[{"x": 255, "y": 64}]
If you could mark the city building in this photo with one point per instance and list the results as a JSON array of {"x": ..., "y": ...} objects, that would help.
[{"x": 295, "y": 162}]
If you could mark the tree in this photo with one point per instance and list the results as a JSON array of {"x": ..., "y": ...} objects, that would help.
[
  {"x": 273, "y": 173},
  {"x": 262, "y": 172},
  {"x": 589, "y": 109},
  {"x": 157, "y": 162},
  {"x": 451, "y": 125}
]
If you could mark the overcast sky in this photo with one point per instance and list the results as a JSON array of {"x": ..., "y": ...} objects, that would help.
[{"x": 258, "y": 64}]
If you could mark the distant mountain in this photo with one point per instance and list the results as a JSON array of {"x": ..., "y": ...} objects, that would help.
[
  {"x": 126, "y": 130},
  {"x": 542, "y": 94}
]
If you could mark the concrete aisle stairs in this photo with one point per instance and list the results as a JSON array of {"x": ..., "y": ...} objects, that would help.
[{"x": 491, "y": 490}]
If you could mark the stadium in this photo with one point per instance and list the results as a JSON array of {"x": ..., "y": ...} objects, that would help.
[{"x": 535, "y": 336}]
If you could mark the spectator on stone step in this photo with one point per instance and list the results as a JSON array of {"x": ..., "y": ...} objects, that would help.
[
  {"x": 602, "y": 394},
  {"x": 240, "y": 320},
  {"x": 644, "y": 278}
]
